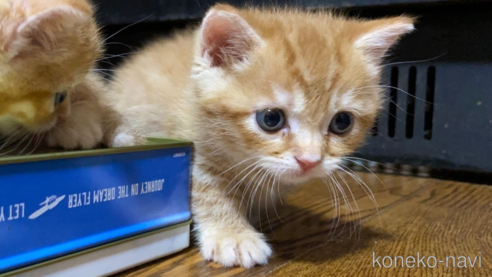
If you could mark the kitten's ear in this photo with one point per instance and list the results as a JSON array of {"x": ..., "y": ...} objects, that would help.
[
  {"x": 47, "y": 30},
  {"x": 226, "y": 38},
  {"x": 379, "y": 35}
]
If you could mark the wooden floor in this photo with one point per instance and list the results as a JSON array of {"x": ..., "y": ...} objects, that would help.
[{"x": 432, "y": 217}]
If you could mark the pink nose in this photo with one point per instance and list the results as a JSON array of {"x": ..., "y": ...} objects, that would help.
[{"x": 306, "y": 164}]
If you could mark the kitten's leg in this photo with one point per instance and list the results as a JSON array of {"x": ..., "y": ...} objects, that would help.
[
  {"x": 223, "y": 231},
  {"x": 123, "y": 136},
  {"x": 83, "y": 127},
  {"x": 131, "y": 126},
  {"x": 120, "y": 133}
]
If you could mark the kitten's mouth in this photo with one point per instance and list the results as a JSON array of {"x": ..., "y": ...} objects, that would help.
[
  {"x": 306, "y": 172},
  {"x": 302, "y": 173},
  {"x": 300, "y": 176}
]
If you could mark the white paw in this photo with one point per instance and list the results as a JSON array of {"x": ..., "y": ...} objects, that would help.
[
  {"x": 123, "y": 139},
  {"x": 245, "y": 249},
  {"x": 84, "y": 134}
]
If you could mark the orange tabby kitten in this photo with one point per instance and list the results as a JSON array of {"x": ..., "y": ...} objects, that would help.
[
  {"x": 47, "y": 49},
  {"x": 272, "y": 99}
]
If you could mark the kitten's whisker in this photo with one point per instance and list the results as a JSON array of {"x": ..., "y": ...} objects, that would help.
[
  {"x": 359, "y": 217},
  {"x": 350, "y": 158},
  {"x": 37, "y": 143},
  {"x": 208, "y": 140},
  {"x": 392, "y": 115},
  {"x": 27, "y": 145},
  {"x": 368, "y": 169},
  {"x": 416, "y": 61},
  {"x": 396, "y": 88},
  {"x": 106, "y": 58},
  {"x": 213, "y": 153},
  {"x": 272, "y": 194},
  {"x": 408, "y": 94},
  {"x": 344, "y": 197},
  {"x": 18, "y": 132},
  {"x": 17, "y": 145},
  {"x": 40, "y": 141},
  {"x": 280, "y": 198},
  {"x": 246, "y": 188},
  {"x": 370, "y": 194},
  {"x": 103, "y": 70},
  {"x": 245, "y": 193},
  {"x": 269, "y": 191},
  {"x": 336, "y": 207},
  {"x": 348, "y": 204},
  {"x": 126, "y": 27},
  {"x": 119, "y": 43},
  {"x": 342, "y": 192},
  {"x": 255, "y": 164},
  {"x": 263, "y": 184},
  {"x": 8, "y": 139},
  {"x": 278, "y": 187},
  {"x": 106, "y": 62},
  {"x": 364, "y": 186},
  {"x": 348, "y": 170},
  {"x": 107, "y": 74},
  {"x": 349, "y": 210},
  {"x": 400, "y": 108},
  {"x": 337, "y": 211},
  {"x": 252, "y": 198},
  {"x": 238, "y": 164}
]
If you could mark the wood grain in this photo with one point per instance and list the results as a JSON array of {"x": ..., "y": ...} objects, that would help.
[{"x": 432, "y": 217}]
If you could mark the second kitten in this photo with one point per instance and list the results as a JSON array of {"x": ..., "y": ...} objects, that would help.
[
  {"x": 271, "y": 98},
  {"x": 50, "y": 94}
]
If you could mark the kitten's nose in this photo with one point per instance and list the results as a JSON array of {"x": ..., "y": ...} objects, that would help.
[{"x": 307, "y": 164}]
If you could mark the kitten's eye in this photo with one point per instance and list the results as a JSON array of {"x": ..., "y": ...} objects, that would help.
[
  {"x": 60, "y": 97},
  {"x": 270, "y": 120},
  {"x": 341, "y": 123}
]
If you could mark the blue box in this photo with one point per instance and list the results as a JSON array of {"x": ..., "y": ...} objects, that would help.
[{"x": 56, "y": 204}]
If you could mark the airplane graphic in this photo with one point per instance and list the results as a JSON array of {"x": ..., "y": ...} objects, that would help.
[{"x": 48, "y": 204}]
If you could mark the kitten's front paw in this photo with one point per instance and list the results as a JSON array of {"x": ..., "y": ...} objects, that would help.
[
  {"x": 124, "y": 140},
  {"x": 81, "y": 133},
  {"x": 245, "y": 249}
]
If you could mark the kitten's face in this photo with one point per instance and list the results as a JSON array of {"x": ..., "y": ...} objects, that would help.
[
  {"x": 47, "y": 48},
  {"x": 291, "y": 94}
]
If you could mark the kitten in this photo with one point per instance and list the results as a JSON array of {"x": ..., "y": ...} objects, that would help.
[
  {"x": 48, "y": 91},
  {"x": 271, "y": 98}
]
